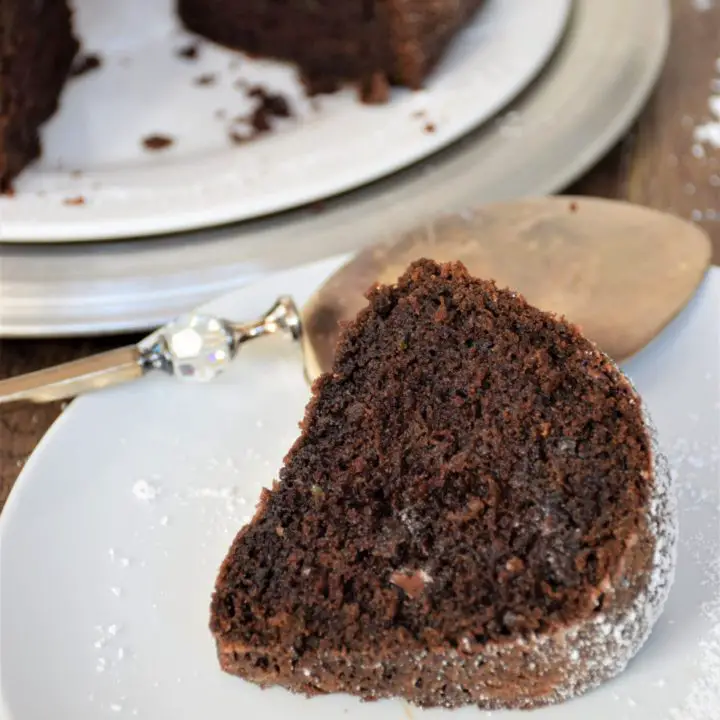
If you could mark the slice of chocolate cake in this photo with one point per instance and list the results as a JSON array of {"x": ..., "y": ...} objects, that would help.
[
  {"x": 371, "y": 42},
  {"x": 473, "y": 513},
  {"x": 37, "y": 48}
]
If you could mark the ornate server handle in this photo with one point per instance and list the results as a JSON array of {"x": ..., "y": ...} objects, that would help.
[{"x": 193, "y": 347}]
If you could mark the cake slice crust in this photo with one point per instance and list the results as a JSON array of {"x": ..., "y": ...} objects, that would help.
[{"x": 473, "y": 483}]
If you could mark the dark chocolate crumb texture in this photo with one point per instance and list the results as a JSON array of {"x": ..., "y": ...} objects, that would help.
[{"x": 474, "y": 512}]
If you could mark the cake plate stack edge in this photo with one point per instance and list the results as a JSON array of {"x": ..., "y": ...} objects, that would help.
[{"x": 584, "y": 100}]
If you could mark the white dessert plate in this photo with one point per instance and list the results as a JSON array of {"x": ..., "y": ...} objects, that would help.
[
  {"x": 96, "y": 179},
  {"x": 112, "y": 536}
]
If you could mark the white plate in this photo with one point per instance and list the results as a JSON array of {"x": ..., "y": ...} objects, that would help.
[
  {"x": 105, "y": 589},
  {"x": 584, "y": 100},
  {"x": 334, "y": 145}
]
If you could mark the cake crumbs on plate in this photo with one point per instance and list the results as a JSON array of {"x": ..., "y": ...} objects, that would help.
[
  {"x": 205, "y": 79},
  {"x": 85, "y": 63},
  {"x": 189, "y": 52},
  {"x": 268, "y": 106},
  {"x": 74, "y": 201},
  {"x": 157, "y": 142}
]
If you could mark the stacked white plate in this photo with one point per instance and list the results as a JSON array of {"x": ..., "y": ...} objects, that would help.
[{"x": 576, "y": 74}]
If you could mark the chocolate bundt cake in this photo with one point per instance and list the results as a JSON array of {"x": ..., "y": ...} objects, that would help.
[
  {"x": 474, "y": 512},
  {"x": 371, "y": 43}
]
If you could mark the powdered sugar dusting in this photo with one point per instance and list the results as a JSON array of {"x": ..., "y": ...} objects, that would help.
[
  {"x": 144, "y": 491},
  {"x": 703, "y": 701},
  {"x": 708, "y": 134},
  {"x": 607, "y": 643}
]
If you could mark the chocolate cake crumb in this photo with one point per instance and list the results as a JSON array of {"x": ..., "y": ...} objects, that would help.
[
  {"x": 85, "y": 64},
  {"x": 260, "y": 120},
  {"x": 268, "y": 105},
  {"x": 274, "y": 104},
  {"x": 442, "y": 540},
  {"x": 206, "y": 79},
  {"x": 78, "y": 200},
  {"x": 429, "y": 128},
  {"x": 157, "y": 142},
  {"x": 573, "y": 207},
  {"x": 189, "y": 52}
]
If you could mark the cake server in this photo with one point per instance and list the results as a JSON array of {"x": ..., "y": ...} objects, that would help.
[{"x": 620, "y": 272}]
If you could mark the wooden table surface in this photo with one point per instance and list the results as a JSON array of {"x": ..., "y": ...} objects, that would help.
[{"x": 657, "y": 164}]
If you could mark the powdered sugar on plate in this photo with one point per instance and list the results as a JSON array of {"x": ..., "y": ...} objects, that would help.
[
  {"x": 707, "y": 135},
  {"x": 703, "y": 5},
  {"x": 703, "y": 701},
  {"x": 143, "y": 490},
  {"x": 692, "y": 459}
]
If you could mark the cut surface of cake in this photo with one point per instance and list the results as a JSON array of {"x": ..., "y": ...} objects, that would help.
[
  {"x": 37, "y": 47},
  {"x": 474, "y": 513},
  {"x": 374, "y": 43}
]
